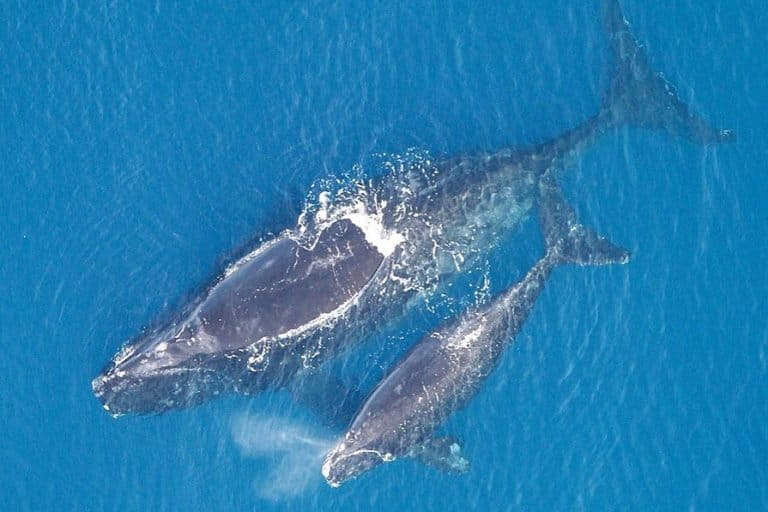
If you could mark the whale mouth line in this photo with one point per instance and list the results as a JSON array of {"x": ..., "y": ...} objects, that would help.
[{"x": 116, "y": 375}]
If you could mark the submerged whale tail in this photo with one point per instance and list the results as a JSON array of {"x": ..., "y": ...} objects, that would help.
[
  {"x": 566, "y": 240},
  {"x": 639, "y": 96}
]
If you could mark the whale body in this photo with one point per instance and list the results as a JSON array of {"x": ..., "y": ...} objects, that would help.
[
  {"x": 344, "y": 271},
  {"x": 446, "y": 368}
]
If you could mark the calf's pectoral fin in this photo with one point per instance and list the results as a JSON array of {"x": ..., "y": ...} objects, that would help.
[{"x": 442, "y": 453}]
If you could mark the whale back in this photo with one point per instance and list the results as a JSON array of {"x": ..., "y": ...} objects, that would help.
[{"x": 288, "y": 286}]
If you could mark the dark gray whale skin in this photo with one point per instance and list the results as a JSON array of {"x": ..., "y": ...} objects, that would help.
[
  {"x": 281, "y": 288},
  {"x": 444, "y": 370},
  {"x": 310, "y": 293}
]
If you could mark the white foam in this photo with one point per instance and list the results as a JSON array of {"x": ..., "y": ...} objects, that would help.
[
  {"x": 324, "y": 199},
  {"x": 467, "y": 340},
  {"x": 384, "y": 241},
  {"x": 234, "y": 267},
  {"x": 321, "y": 319}
]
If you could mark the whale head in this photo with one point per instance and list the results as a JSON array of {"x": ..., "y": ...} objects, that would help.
[
  {"x": 350, "y": 458},
  {"x": 160, "y": 371}
]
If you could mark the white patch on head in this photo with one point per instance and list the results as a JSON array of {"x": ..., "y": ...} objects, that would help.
[
  {"x": 326, "y": 472},
  {"x": 124, "y": 353}
]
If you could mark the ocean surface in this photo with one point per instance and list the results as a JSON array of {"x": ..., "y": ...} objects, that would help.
[{"x": 142, "y": 144}]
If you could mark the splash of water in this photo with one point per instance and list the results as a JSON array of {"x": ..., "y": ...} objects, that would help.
[{"x": 292, "y": 452}]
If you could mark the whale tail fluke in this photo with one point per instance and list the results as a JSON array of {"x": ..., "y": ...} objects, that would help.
[
  {"x": 566, "y": 240},
  {"x": 639, "y": 96}
]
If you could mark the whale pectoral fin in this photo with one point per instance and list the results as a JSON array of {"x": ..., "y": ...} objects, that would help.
[{"x": 442, "y": 453}]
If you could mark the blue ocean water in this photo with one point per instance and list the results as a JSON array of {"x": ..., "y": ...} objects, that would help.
[{"x": 143, "y": 143}]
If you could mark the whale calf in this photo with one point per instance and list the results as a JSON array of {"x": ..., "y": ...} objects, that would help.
[
  {"x": 361, "y": 257},
  {"x": 445, "y": 369}
]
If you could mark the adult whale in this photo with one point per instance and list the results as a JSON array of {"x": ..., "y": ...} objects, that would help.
[
  {"x": 361, "y": 258},
  {"x": 444, "y": 370}
]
